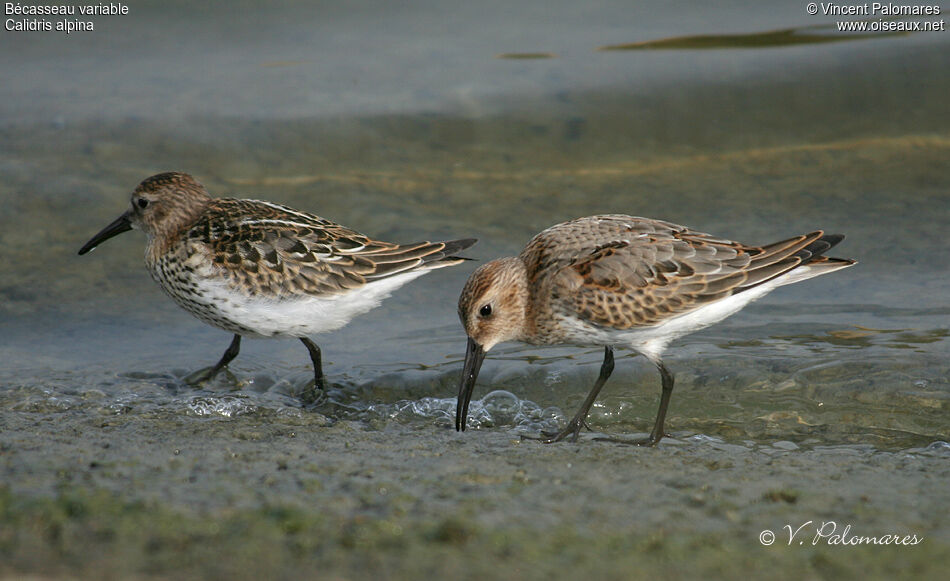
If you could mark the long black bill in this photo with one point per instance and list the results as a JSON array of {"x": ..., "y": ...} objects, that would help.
[
  {"x": 120, "y": 225},
  {"x": 474, "y": 355}
]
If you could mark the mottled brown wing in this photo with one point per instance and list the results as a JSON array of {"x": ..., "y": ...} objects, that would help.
[
  {"x": 644, "y": 271},
  {"x": 279, "y": 251},
  {"x": 568, "y": 242}
]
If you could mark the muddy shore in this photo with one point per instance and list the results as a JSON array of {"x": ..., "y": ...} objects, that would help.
[{"x": 116, "y": 498}]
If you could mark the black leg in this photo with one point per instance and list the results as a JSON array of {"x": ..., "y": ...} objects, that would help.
[
  {"x": 318, "y": 381},
  {"x": 573, "y": 428},
  {"x": 657, "y": 434},
  {"x": 233, "y": 349}
]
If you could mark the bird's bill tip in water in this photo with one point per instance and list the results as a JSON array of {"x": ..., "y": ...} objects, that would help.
[
  {"x": 474, "y": 355},
  {"x": 118, "y": 226}
]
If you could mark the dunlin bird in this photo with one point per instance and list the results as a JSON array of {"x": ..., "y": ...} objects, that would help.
[
  {"x": 260, "y": 269},
  {"x": 618, "y": 280}
]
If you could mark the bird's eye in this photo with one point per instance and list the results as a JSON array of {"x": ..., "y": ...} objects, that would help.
[
  {"x": 485, "y": 311},
  {"x": 142, "y": 203}
]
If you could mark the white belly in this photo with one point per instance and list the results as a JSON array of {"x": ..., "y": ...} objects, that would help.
[{"x": 218, "y": 304}]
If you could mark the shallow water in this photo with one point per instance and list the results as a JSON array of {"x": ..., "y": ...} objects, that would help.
[
  {"x": 751, "y": 144},
  {"x": 426, "y": 123}
]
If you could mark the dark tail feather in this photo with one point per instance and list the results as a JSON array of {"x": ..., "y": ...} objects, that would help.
[
  {"x": 453, "y": 246},
  {"x": 812, "y": 254},
  {"x": 447, "y": 254},
  {"x": 817, "y": 248},
  {"x": 424, "y": 255}
]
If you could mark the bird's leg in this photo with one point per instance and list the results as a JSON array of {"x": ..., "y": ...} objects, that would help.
[
  {"x": 232, "y": 351},
  {"x": 667, "y": 379},
  {"x": 319, "y": 383},
  {"x": 657, "y": 434},
  {"x": 573, "y": 427}
]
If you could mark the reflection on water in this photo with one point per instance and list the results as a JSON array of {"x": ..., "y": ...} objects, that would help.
[
  {"x": 809, "y": 389},
  {"x": 526, "y": 55},
  {"x": 754, "y": 145},
  {"x": 813, "y": 34}
]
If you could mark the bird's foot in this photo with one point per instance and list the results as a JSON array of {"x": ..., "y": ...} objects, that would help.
[
  {"x": 648, "y": 442},
  {"x": 196, "y": 378},
  {"x": 313, "y": 394},
  {"x": 572, "y": 429}
]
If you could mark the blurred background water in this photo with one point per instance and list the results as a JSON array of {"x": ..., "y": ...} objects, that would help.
[{"x": 493, "y": 120}]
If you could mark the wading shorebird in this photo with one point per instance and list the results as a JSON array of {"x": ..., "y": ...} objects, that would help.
[
  {"x": 617, "y": 280},
  {"x": 259, "y": 269}
]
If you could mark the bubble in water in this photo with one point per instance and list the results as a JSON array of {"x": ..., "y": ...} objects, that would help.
[
  {"x": 704, "y": 439},
  {"x": 501, "y": 406},
  {"x": 227, "y": 406},
  {"x": 427, "y": 407},
  {"x": 498, "y": 408}
]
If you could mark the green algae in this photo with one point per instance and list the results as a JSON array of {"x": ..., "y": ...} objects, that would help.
[{"x": 91, "y": 534}]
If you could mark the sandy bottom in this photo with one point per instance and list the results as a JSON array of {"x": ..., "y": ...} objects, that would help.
[{"x": 244, "y": 498}]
